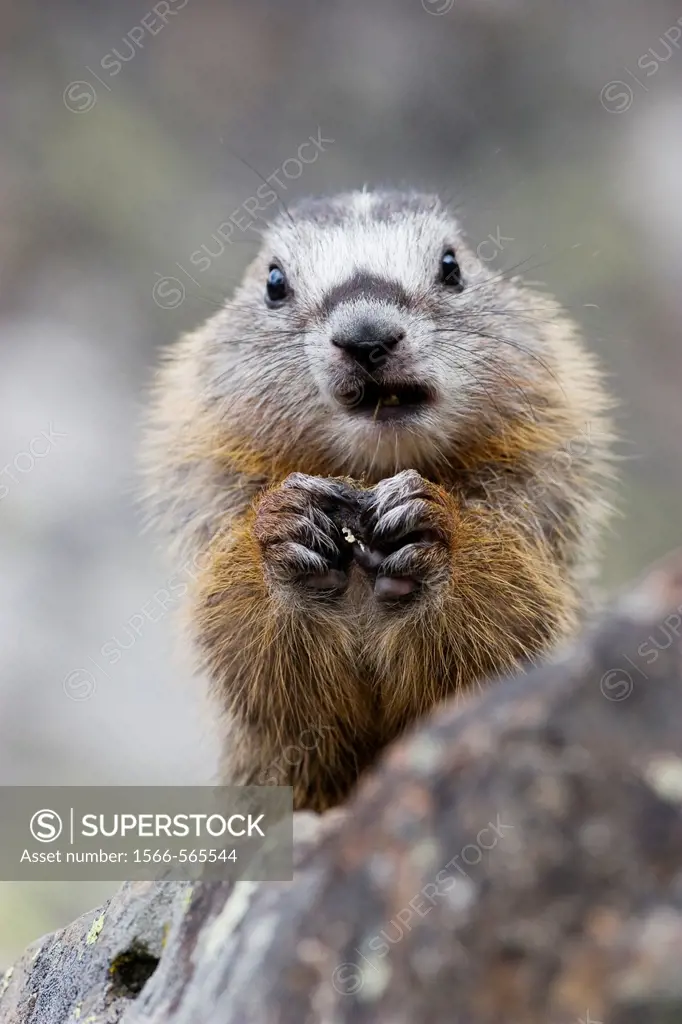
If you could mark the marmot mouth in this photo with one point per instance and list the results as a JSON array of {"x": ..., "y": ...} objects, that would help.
[{"x": 386, "y": 400}]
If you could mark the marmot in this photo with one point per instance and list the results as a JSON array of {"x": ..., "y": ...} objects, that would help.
[{"x": 389, "y": 462}]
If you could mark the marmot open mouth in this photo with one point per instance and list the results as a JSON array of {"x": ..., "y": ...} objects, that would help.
[{"x": 385, "y": 401}]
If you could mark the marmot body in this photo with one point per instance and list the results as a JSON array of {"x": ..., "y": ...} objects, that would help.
[{"x": 389, "y": 463}]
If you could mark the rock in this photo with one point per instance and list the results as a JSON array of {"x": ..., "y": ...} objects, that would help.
[
  {"x": 91, "y": 970},
  {"x": 517, "y": 857}
]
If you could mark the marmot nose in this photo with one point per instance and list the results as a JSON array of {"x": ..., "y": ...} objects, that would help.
[{"x": 369, "y": 344}]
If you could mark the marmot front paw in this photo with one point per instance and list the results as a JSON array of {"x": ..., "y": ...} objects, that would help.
[
  {"x": 407, "y": 526},
  {"x": 298, "y": 526}
]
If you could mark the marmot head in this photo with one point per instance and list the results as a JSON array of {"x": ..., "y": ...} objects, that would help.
[{"x": 367, "y": 329}]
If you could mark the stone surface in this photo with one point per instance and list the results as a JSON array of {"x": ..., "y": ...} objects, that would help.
[
  {"x": 517, "y": 857},
  {"x": 92, "y": 970}
]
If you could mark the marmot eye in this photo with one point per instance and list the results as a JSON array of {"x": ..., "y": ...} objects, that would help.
[
  {"x": 450, "y": 273},
  {"x": 276, "y": 288}
]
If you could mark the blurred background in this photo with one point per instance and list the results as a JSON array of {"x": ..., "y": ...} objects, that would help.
[{"x": 127, "y": 133}]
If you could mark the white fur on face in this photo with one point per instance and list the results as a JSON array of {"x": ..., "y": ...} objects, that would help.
[{"x": 284, "y": 364}]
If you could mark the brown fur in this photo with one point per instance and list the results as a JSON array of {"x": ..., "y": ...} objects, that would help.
[{"x": 510, "y": 507}]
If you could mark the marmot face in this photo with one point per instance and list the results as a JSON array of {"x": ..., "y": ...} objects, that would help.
[{"x": 368, "y": 327}]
